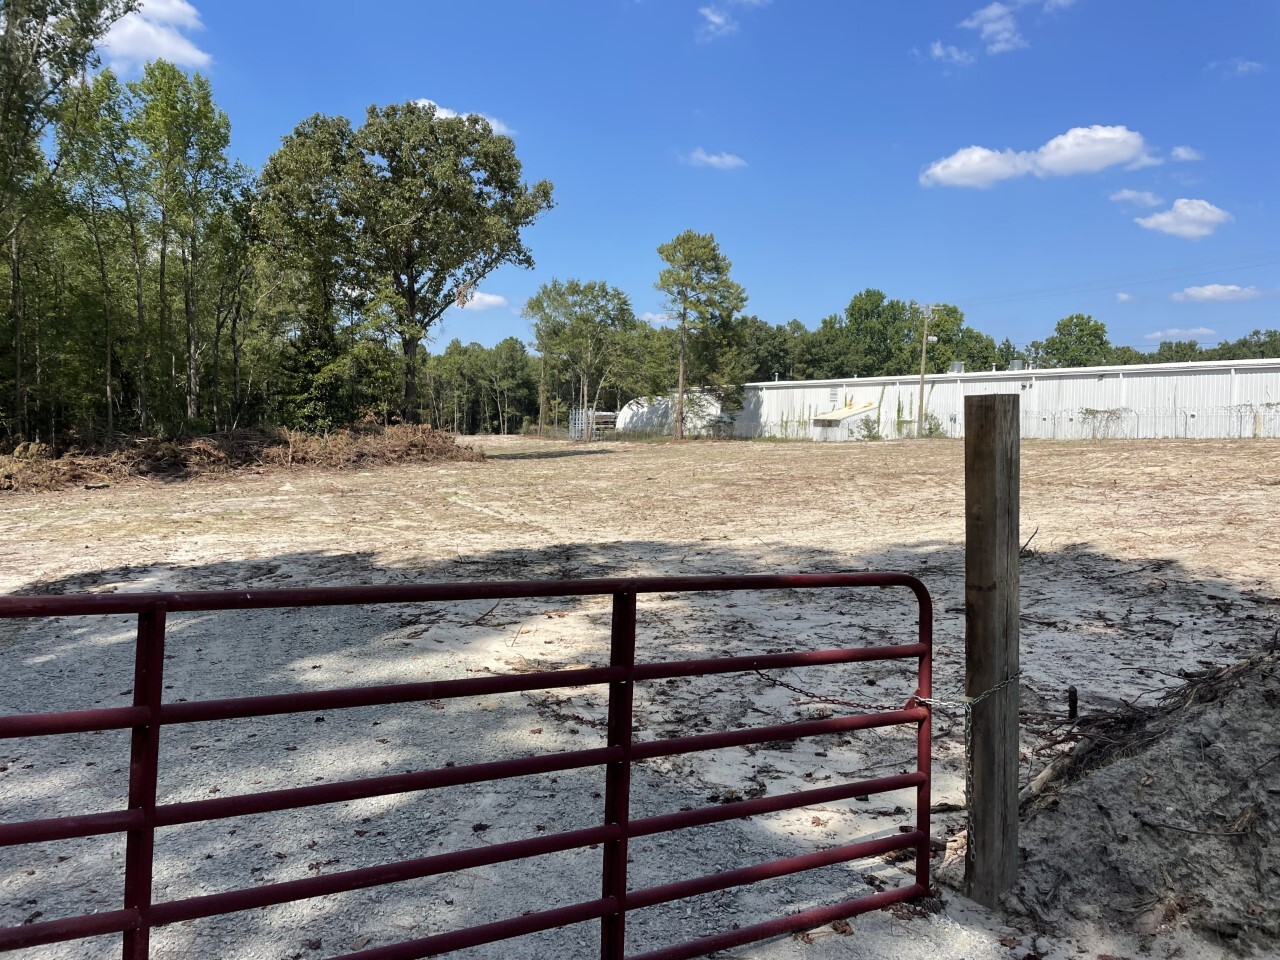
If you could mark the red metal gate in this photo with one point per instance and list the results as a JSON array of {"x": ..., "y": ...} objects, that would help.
[{"x": 148, "y": 714}]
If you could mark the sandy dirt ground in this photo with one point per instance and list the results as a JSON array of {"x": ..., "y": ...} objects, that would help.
[{"x": 1144, "y": 558}]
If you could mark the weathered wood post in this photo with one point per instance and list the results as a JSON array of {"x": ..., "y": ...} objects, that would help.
[{"x": 991, "y": 479}]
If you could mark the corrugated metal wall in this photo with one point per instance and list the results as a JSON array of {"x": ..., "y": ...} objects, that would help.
[{"x": 1218, "y": 399}]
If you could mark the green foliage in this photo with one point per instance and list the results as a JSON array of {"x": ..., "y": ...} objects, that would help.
[
  {"x": 409, "y": 212},
  {"x": 1077, "y": 341},
  {"x": 1257, "y": 345},
  {"x": 154, "y": 285},
  {"x": 704, "y": 301},
  {"x": 45, "y": 45},
  {"x": 586, "y": 333},
  {"x": 420, "y": 251}
]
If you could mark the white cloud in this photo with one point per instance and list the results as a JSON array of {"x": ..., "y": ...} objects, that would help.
[
  {"x": 997, "y": 27},
  {"x": 479, "y": 300},
  {"x": 720, "y": 161},
  {"x": 656, "y": 319},
  {"x": 1189, "y": 219},
  {"x": 1186, "y": 154},
  {"x": 1175, "y": 333},
  {"x": 949, "y": 54},
  {"x": 1123, "y": 297},
  {"x": 1089, "y": 149},
  {"x": 1237, "y": 67},
  {"x": 717, "y": 22},
  {"x": 975, "y": 167},
  {"x": 1216, "y": 293},
  {"x": 155, "y": 32},
  {"x": 1146, "y": 160},
  {"x": 1142, "y": 198},
  {"x": 997, "y": 24},
  {"x": 1079, "y": 150},
  {"x": 445, "y": 113}
]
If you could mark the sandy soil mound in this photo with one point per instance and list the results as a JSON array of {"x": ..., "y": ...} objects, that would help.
[{"x": 1167, "y": 818}]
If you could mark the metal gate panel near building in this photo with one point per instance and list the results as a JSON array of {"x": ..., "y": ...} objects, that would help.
[{"x": 140, "y": 912}]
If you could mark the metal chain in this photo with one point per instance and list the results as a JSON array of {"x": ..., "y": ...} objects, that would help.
[
  {"x": 819, "y": 698},
  {"x": 967, "y": 704}
]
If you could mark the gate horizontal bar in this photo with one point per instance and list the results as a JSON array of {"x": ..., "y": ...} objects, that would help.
[
  {"x": 238, "y": 708},
  {"x": 670, "y": 747},
  {"x": 72, "y": 721},
  {"x": 702, "y": 816},
  {"x": 69, "y": 828},
  {"x": 90, "y": 604},
  {"x": 773, "y": 661},
  {"x": 232, "y": 901},
  {"x": 67, "y": 928},
  {"x": 805, "y": 920},
  {"x": 652, "y": 896},
  {"x": 270, "y": 801},
  {"x": 489, "y": 932}
]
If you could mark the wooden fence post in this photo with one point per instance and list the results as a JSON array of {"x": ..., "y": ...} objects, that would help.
[{"x": 991, "y": 479}]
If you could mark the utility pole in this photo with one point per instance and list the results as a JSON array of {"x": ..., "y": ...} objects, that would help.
[{"x": 925, "y": 340}]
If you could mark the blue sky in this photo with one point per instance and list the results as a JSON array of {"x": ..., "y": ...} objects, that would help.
[{"x": 1025, "y": 159}]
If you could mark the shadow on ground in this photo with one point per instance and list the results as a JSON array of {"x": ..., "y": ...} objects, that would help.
[
  {"x": 548, "y": 454},
  {"x": 1113, "y": 628}
]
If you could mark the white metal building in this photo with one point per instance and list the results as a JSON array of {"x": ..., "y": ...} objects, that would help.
[{"x": 1210, "y": 399}]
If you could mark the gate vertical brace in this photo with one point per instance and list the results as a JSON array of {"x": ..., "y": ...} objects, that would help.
[
  {"x": 924, "y": 743},
  {"x": 144, "y": 756},
  {"x": 617, "y": 790},
  {"x": 991, "y": 477}
]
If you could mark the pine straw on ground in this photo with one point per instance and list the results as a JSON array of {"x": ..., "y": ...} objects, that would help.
[
  {"x": 32, "y": 467},
  {"x": 1166, "y": 817}
]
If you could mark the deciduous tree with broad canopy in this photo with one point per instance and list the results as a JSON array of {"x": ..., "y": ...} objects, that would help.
[
  {"x": 429, "y": 205},
  {"x": 586, "y": 329}
]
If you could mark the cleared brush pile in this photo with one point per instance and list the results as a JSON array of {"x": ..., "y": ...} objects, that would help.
[
  {"x": 34, "y": 466},
  {"x": 1166, "y": 818}
]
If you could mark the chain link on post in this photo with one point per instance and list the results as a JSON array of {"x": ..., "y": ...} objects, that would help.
[{"x": 967, "y": 704}]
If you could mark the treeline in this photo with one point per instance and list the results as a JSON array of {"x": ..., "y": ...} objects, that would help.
[{"x": 155, "y": 286}]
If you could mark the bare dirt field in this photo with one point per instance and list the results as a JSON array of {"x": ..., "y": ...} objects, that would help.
[{"x": 1145, "y": 559}]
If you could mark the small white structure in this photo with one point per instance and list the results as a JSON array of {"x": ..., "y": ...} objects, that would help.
[
  {"x": 656, "y": 415},
  {"x": 1209, "y": 399}
]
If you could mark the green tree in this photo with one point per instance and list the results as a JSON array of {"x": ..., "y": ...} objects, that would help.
[
  {"x": 704, "y": 301},
  {"x": 1177, "y": 351},
  {"x": 436, "y": 204},
  {"x": 977, "y": 349},
  {"x": 1077, "y": 341},
  {"x": 104, "y": 164},
  {"x": 585, "y": 329},
  {"x": 44, "y": 46},
  {"x": 1127, "y": 356},
  {"x": 309, "y": 246},
  {"x": 1258, "y": 345},
  {"x": 774, "y": 351},
  {"x": 508, "y": 379},
  {"x": 872, "y": 338},
  {"x": 185, "y": 137}
]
